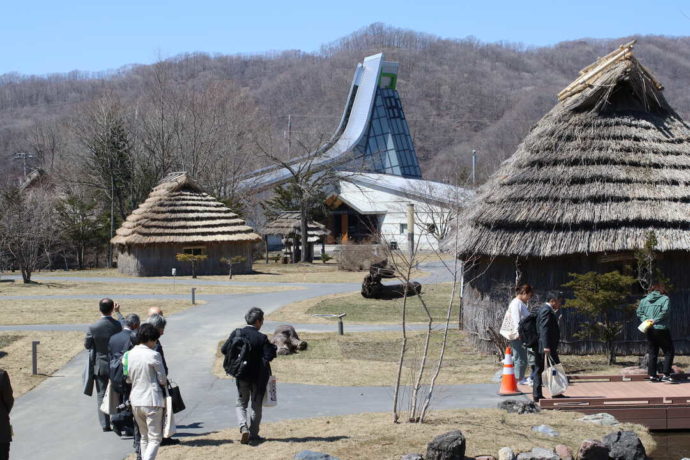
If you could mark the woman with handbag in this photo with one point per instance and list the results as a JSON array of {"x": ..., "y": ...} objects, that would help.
[
  {"x": 517, "y": 310},
  {"x": 655, "y": 309},
  {"x": 146, "y": 373}
]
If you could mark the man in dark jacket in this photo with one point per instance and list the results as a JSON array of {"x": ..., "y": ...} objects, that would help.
[
  {"x": 252, "y": 386},
  {"x": 6, "y": 403},
  {"x": 549, "y": 336},
  {"x": 97, "y": 339}
]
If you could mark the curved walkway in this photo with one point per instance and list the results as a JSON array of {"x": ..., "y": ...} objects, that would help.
[{"x": 56, "y": 421}]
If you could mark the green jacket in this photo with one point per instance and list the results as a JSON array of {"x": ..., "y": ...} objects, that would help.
[{"x": 655, "y": 306}]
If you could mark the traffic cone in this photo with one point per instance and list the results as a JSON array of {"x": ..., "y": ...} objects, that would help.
[{"x": 508, "y": 382}]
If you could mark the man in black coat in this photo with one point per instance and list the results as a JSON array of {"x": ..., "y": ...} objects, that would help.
[
  {"x": 97, "y": 339},
  {"x": 6, "y": 403},
  {"x": 549, "y": 335},
  {"x": 252, "y": 386}
]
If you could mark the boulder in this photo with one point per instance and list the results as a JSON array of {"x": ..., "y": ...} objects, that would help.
[
  {"x": 591, "y": 449},
  {"x": 546, "y": 429},
  {"x": 563, "y": 452},
  {"x": 412, "y": 457},
  {"x": 506, "y": 453},
  {"x": 515, "y": 406},
  {"x": 624, "y": 445},
  {"x": 448, "y": 446},
  {"x": 286, "y": 340},
  {"x": 485, "y": 457},
  {"x": 311, "y": 455},
  {"x": 601, "y": 418},
  {"x": 538, "y": 453}
]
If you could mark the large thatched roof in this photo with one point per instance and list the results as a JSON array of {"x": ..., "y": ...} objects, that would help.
[
  {"x": 178, "y": 211},
  {"x": 609, "y": 163},
  {"x": 288, "y": 223}
]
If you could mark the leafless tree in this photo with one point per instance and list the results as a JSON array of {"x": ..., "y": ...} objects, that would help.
[{"x": 26, "y": 228}]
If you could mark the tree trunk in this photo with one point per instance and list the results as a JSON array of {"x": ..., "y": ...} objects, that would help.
[
  {"x": 26, "y": 275},
  {"x": 304, "y": 234}
]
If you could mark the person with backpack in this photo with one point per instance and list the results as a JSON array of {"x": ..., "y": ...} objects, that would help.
[
  {"x": 248, "y": 353},
  {"x": 549, "y": 334},
  {"x": 517, "y": 310},
  {"x": 120, "y": 343},
  {"x": 656, "y": 307}
]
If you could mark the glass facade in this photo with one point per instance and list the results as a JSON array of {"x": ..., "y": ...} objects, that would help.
[{"x": 388, "y": 146}]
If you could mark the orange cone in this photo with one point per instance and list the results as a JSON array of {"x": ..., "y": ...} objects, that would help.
[{"x": 508, "y": 382}]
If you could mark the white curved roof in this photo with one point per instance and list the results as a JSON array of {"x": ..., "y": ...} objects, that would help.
[{"x": 353, "y": 125}]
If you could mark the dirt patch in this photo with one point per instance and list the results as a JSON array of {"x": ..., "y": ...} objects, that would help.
[
  {"x": 54, "y": 351},
  {"x": 374, "y": 436}
]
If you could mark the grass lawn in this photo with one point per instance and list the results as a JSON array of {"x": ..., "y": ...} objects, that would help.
[
  {"x": 112, "y": 289},
  {"x": 77, "y": 311},
  {"x": 371, "y": 358},
  {"x": 374, "y": 436},
  {"x": 54, "y": 351},
  {"x": 316, "y": 272},
  {"x": 361, "y": 310}
]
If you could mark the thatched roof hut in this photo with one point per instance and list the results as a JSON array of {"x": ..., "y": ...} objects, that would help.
[
  {"x": 288, "y": 225},
  {"x": 606, "y": 166},
  {"x": 179, "y": 217}
]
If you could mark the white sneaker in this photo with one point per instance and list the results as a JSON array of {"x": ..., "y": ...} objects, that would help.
[
  {"x": 523, "y": 382},
  {"x": 530, "y": 382}
]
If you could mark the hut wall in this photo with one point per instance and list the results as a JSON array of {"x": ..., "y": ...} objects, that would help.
[
  {"x": 487, "y": 297},
  {"x": 158, "y": 260}
]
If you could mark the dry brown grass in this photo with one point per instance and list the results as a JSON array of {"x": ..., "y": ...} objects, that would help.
[
  {"x": 77, "y": 311},
  {"x": 86, "y": 288},
  {"x": 361, "y": 310},
  {"x": 55, "y": 350},
  {"x": 370, "y": 359},
  {"x": 374, "y": 436},
  {"x": 316, "y": 272}
]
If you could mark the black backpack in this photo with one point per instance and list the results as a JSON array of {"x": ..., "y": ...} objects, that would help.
[
  {"x": 528, "y": 330},
  {"x": 237, "y": 351}
]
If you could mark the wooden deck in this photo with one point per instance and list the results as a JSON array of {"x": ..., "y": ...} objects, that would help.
[{"x": 659, "y": 406}]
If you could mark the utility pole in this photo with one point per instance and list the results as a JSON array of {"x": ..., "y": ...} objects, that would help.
[
  {"x": 23, "y": 156},
  {"x": 289, "y": 134},
  {"x": 474, "y": 167},
  {"x": 410, "y": 229}
]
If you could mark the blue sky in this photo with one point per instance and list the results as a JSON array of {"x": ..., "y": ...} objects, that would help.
[{"x": 46, "y": 36}]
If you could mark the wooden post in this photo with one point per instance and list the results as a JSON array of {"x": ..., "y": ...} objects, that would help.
[
  {"x": 266, "y": 242},
  {"x": 193, "y": 296},
  {"x": 34, "y": 357}
]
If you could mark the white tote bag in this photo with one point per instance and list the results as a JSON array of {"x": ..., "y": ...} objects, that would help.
[
  {"x": 169, "y": 427},
  {"x": 508, "y": 328},
  {"x": 271, "y": 394},
  {"x": 554, "y": 377},
  {"x": 111, "y": 399}
]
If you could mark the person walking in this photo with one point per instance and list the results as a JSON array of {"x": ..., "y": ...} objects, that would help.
[
  {"x": 157, "y": 320},
  {"x": 6, "y": 403},
  {"x": 656, "y": 307},
  {"x": 517, "y": 310},
  {"x": 549, "y": 335},
  {"x": 251, "y": 385},
  {"x": 96, "y": 341},
  {"x": 147, "y": 377},
  {"x": 120, "y": 343}
]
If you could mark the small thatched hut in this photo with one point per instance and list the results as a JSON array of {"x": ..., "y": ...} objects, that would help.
[
  {"x": 288, "y": 226},
  {"x": 607, "y": 165},
  {"x": 179, "y": 217}
]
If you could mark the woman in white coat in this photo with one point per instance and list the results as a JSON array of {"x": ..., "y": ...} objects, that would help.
[
  {"x": 517, "y": 310},
  {"x": 146, "y": 373}
]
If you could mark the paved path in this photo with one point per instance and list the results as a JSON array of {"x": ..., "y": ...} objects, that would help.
[{"x": 55, "y": 421}]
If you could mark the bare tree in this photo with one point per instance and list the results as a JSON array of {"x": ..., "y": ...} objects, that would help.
[{"x": 26, "y": 228}]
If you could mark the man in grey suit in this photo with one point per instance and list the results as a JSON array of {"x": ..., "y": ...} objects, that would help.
[{"x": 96, "y": 341}]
